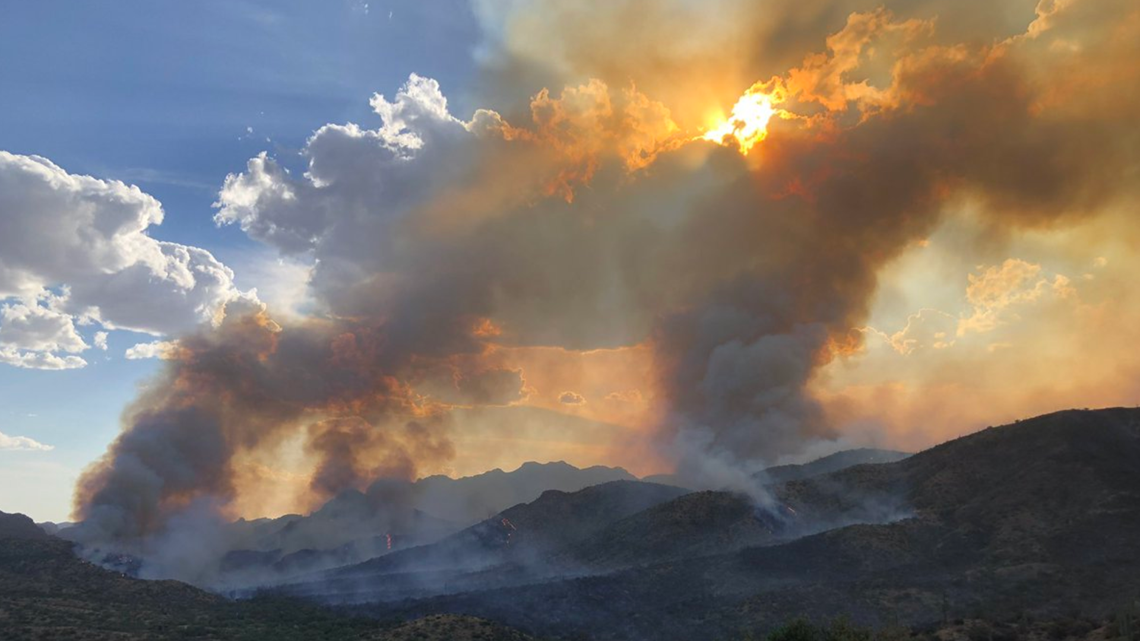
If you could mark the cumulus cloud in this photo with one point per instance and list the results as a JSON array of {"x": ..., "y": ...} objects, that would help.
[
  {"x": 22, "y": 443},
  {"x": 78, "y": 249},
  {"x": 994, "y": 296},
  {"x": 998, "y": 290},
  {"x": 571, "y": 398},
  {"x": 352, "y": 170},
  {"x": 38, "y": 328},
  {"x": 39, "y": 360},
  {"x": 164, "y": 350}
]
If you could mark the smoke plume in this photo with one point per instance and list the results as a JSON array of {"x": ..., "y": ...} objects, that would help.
[{"x": 597, "y": 217}]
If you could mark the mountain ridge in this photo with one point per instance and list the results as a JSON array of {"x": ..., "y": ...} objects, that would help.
[{"x": 1039, "y": 516}]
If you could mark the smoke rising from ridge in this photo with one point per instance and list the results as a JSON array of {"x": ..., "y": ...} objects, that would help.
[{"x": 600, "y": 220}]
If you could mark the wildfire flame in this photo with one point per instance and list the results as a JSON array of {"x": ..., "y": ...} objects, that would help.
[
  {"x": 748, "y": 123},
  {"x": 510, "y": 527}
]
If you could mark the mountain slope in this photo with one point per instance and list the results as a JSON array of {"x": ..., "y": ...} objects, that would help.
[
  {"x": 831, "y": 463},
  {"x": 516, "y": 544},
  {"x": 18, "y": 526},
  {"x": 413, "y": 511},
  {"x": 46, "y": 592},
  {"x": 355, "y": 526},
  {"x": 696, "y": 524},
  {"x": 1036, "y": 518},
  {"x": 824, "y": 465}
]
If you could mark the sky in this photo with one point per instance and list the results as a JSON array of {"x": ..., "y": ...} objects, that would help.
[{"x": 256, "y": 253}]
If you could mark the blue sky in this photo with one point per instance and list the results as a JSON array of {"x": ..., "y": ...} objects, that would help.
[{"x": 164, "y": 95}]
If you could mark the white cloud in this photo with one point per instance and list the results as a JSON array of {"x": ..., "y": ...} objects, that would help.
[
  {"x": 356, "y": 177},
  {"x": 282, "y": 283},
  {"x": 156, "y": 349},
  {"x": 100, "y": 340},
  {"x": 33, "y": 327},
  {"x": 22, "y": 443},
  {"x": 90, "y": 239},
  {"x": 39, "y": 360}
]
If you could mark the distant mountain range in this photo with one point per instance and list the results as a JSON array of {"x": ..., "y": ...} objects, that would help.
[
  {"x": 394, "y": 515},
  {"x": 354, "y": 526},
  {"x": 597, "y": 529},
  {"x": 510, "y": 548}
]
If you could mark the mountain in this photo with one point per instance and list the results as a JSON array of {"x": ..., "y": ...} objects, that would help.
[
  {"x": 783, "y": 473},
  {"x": 696, "y": 524},
  {"x": 832, "y": 463},
  {"x": 20, "y": 527},
  {"x": 46, "y": 592},
  {"x": 474, "y": 498},
  {"x": 354, "y": 525},
  {"x": 412, "y": 511},
  {"x": 54, "y": 528},
  {"x": 390, "y": 515},
  {"x": 1035, "y": 519},
  {"x": 514, "y": 546}
]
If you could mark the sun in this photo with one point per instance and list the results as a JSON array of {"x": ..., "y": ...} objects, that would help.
[{"x": 748, "y": 123}]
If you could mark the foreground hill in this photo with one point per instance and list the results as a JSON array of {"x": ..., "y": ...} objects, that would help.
[
  {"x": 46, "y": 592},
  {"x": 1038, "y": 518}
]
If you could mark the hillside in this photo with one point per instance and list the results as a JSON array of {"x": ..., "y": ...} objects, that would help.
[
  {"x": 520, "y": 543},
  {"x": 1038, "y": 518},
  {"x": 796, "y": 471},
  {"x": 1031, "y": 521},
  {"x": 46, "y": 592},
  {"x": 696, "y": 524},
  {"x": 18, "y": 526},
  {"x": 424, "y": 510},
  {"x": 354, "y": 526},
  {"x": 831, "y": 463},
  {"x": 474, "y": 498}
]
